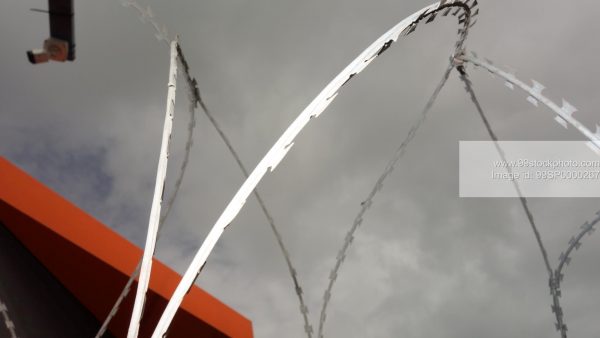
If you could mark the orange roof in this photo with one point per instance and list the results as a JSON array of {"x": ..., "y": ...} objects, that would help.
[{"x": 93, "y": 262}]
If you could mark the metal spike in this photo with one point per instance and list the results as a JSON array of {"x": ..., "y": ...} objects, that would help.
[
  {"x": 509, "y": 84},
  {"x": 537, "y": 90},
  {"x": 585, "y": 225},
  {"x": 447, "y": 11},
  {"x": 567, "y": 108},
  {"x": 537, "y": 87},
  {"x": 456, "y": 11},
  {"x": 577, "y": 245},
  {"x": 474, "y": 14},
  {"x": 474, "y": 4},
  {"x": 474, "y": 54},
  {"x": 473, "y": 24},
  {"x": 431, "y": 18},
  {"x": 488, "y": 61},
  {"x": 462, "y": 16},
  {"x": 411, "y": 28},
  {"x": 572, "y": 240}
]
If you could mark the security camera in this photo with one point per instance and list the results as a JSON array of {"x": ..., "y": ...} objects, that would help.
[{"x": 54, "y": 49}]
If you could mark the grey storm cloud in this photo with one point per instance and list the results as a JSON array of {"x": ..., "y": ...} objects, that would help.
[{"x": 425, "y": 262}]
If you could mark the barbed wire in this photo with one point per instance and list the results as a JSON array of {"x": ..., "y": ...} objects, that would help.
[{"x": 10, "y": 325}]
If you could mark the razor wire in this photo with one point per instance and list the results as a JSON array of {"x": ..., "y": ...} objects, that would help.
[
  {"x": 147, "y": 15},
  {"x": 10, "y": 325},
  {"x": 564, "y": 113},
  {"x": 553, "y": 291},
  {"x": 171, "y": 201},
  {"x": 564, "y": 117},
  {"x": 366, "y": 204},
  {"x": 159, "y": 189},
  {"x": 565, "y": 259},
  {"x": 294, "y": 275},
  {"x": 286, "y": 141}
]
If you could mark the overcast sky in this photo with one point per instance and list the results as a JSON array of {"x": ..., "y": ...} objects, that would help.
[{"x": 425, "y": 263}]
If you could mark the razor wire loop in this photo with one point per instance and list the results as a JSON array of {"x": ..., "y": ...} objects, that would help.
[
  {"x": 193, "y": 98},
  {"x": 159, "y": 189},
  {"x": 146, "y": 15},
  {"x": 286, "y": 141},
  {"x": 293, "y": 274},
  {"x": 564, "y": 117},
  {"x": 564, "y": 113},
  {"x": 195, "y": 94},
  {"x": 465, "y": 20},
  {"x": 553, "y": 290},
  {"x": 557, "y": 277},
  {"x": 10, "y": 325},
  {"x": 368, "y": 202}
]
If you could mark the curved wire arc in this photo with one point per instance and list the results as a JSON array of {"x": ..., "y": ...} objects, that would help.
[
  {"x": 556, "y": 279},
  {"x": 280, "y": 149},
  {"x": 522, "y": 199},
  {"x": 464, "y": 19},
  {"x": 564, "y": 113},
  {"x": 146, "y": 15}
]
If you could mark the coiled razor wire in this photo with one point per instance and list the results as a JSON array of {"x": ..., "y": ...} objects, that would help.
[
  {"x": 464, "y": 19},
  {"x": 565, "y": 259},
  {"x": 366, "y": 204},
  {"x": 168, "y": 206},
  {"x": 286, "y": 141},
  {"x": 564, "y": 113},
  {"x": 469, "y": 88},
  {"x": 10, "y": 326},
  {"x": 161, "y": 33},
  {"x": 564, "y": 117}
]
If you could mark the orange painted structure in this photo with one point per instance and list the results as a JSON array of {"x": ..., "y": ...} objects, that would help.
[{"x": 93, "y": 262}]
